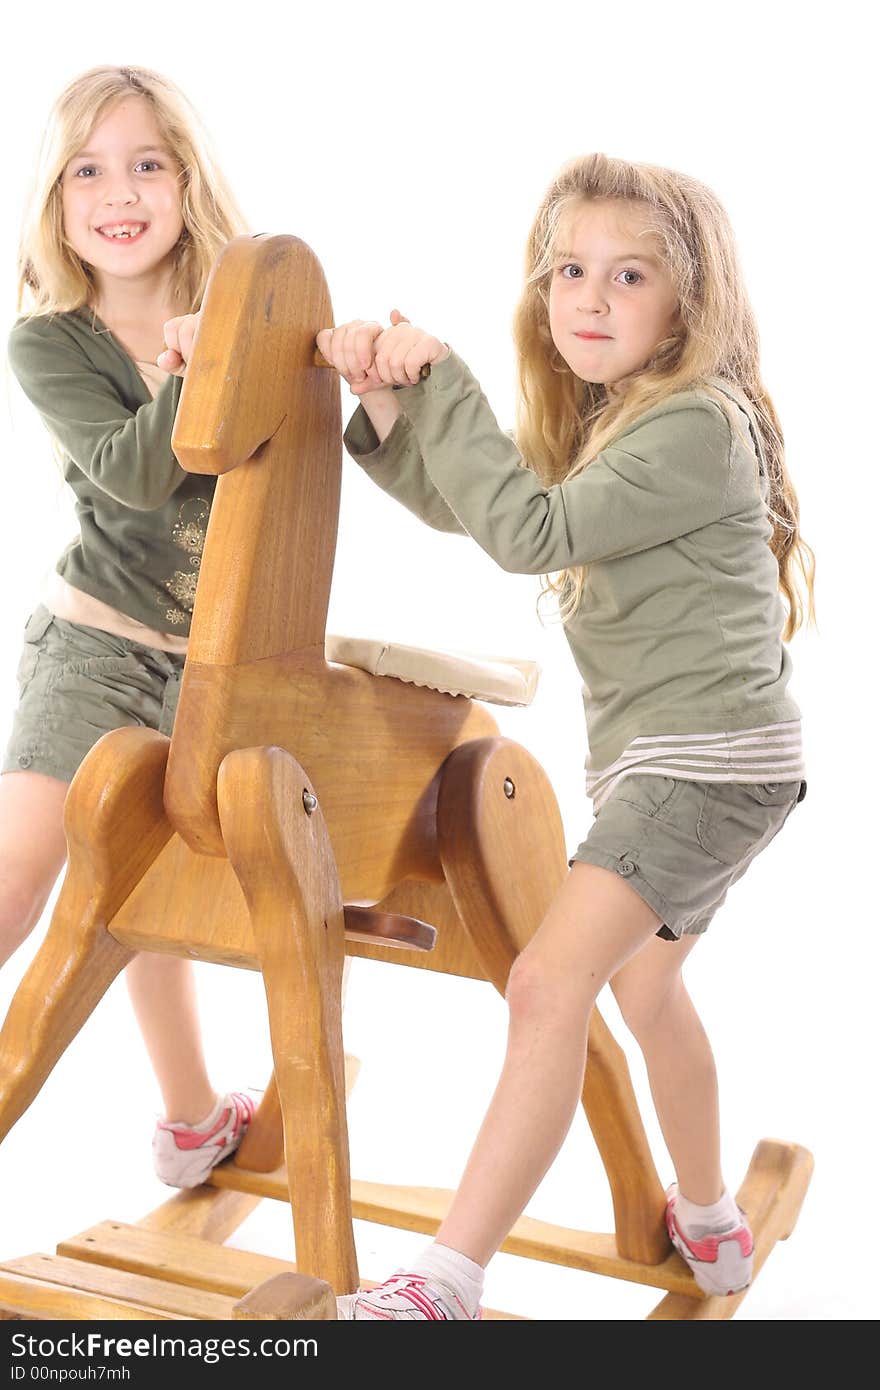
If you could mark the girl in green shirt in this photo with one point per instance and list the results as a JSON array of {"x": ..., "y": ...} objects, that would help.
[
  {"x": 655, "y": 494},
  {"x": 127, "y": 217}
]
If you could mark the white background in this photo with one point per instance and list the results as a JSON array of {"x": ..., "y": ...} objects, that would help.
[{"x": 409, "y": 145}]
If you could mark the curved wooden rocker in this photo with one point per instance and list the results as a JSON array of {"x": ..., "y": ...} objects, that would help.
[{"x": 303, "y": 809}]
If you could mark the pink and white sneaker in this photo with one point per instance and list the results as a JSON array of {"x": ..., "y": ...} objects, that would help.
[
  {"x": 183, "y": 1155},
  {"x": 719, "y": 1259},
  {"x": 405, "y": 1296}
]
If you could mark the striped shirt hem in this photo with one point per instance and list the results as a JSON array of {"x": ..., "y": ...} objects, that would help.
[{"x": 767, "y": 753}]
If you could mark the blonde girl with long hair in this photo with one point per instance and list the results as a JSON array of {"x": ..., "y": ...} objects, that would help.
[
  {"x": 127, "y": 216},
  {"x": 648, "y": 483}
]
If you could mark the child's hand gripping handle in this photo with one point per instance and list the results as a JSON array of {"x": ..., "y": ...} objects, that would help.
[
  {"x": 321, "y": 361},
  {"x": 179, "y": 336},
  {"x": 373, "y": 358}
]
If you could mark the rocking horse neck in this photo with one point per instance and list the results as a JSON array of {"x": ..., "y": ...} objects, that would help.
[{"x": 264, "y": 583}]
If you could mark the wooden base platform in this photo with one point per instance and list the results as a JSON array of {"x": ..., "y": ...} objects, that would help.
[
  {"x": 117, "y": 1271},
  {"x": 172, "y": 1265}
]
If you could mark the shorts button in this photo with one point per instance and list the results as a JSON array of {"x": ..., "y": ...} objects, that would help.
[
  {"x": 626, "y": 867},
  {"x": 25, "y": 759}
]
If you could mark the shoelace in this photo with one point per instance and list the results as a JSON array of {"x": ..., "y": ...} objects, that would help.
[{"x": 409, "y": 1287}]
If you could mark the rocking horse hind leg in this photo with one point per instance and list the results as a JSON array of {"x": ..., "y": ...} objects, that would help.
[{"x": 503, "y": 851}]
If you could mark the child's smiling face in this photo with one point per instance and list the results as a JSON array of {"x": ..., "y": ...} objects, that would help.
[
  {"x": 611, "y": 300},
  {"x": 121, "y": 195}
]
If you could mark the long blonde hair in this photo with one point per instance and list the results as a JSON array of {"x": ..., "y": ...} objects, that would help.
[
  {"x": 563, "y": 423},
  {"x": 52, "y": 277}
]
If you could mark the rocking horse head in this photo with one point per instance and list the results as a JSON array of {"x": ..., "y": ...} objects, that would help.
[{"x": 256, "y": 410}]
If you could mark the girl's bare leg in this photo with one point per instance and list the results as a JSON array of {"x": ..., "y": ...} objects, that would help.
[
  {"x": 32, "y": 851},
  {"x": 681, "y": 1068},
  {"x": 595, "y": 924},
  {"x": 163, "y": 994}
]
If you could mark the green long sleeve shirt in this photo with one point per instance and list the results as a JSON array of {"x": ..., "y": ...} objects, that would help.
[
  {"x": 678, "y": 631},
  {"x": 142, "y": 518}
]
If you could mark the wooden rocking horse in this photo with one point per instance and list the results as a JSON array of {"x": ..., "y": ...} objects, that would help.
[{"x": 304, "y": 809}]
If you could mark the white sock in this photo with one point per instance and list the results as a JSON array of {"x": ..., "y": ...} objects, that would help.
[
  {"x": 697, "y": 1221},
  {"x": 211, "y": 1118},
  {"x": 457, "y": 1272}
]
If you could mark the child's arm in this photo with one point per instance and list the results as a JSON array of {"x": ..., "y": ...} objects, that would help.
[
  {"x": 667, "y": 475},
  {"x": 395, "y": 464},
  {"x": 379, "y": 437},
  {"x": 126, "y": 453}
]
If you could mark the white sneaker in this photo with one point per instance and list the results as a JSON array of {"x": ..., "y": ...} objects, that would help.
[
  {"x": 183, "y": 1155},
  {"x": 405, "y": 1296},
  {"x": 719, "y": 1259}
]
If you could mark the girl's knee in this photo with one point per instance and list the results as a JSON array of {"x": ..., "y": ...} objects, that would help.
[
  {"x": 529, "y": 989},
  {"x": 539, "y": 991}
]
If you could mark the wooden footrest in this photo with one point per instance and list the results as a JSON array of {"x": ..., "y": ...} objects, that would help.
[
  {"x": 119, "y": 1271},
  {"x": 374, "y": 928},
  {"x": 423, "y": 1209}
]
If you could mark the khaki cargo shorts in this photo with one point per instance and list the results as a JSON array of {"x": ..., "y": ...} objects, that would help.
[
  {"x": 682, "y": 844},
  {"x": 75, "y": 685}
]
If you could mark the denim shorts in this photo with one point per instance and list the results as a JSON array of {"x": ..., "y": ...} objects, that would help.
[
  {"x": 681, "y": 844},
  {"x": 76, "y": 684}
]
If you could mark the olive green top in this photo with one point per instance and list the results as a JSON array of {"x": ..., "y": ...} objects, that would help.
[
  {"x": 142, "y": 518},
  {"x": 678, "y": 631}
]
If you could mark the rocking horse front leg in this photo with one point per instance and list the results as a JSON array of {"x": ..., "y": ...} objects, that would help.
[
  {"x": 72, "y": 971},
  {"x": 278, "y": 845},
  {"x": 115, "y": 823}
]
